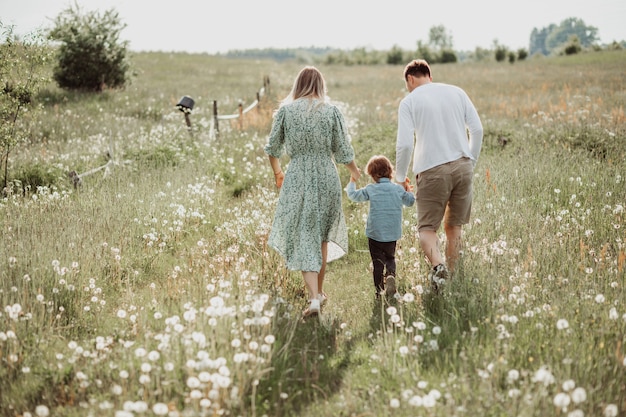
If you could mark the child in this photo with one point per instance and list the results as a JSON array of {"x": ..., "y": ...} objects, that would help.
[{"x": 384, "y": 222}]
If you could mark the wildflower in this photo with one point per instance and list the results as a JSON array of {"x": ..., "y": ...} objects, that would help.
[
  {"x": 576, "y": 413},
  {"x": 43, "y": 411},
  {"x": 610, "y": 410},
  {"x": 568, "y": 385},
  {"x": 140, "y": 352},
  {"x": 613, "y": 314},
  {"x": 543, "y": 376},
  {"x": 512, "y": 376},
  {"x": 600, "y": 298},
  {"x": 416, "y": 401},
  {"x": 436, "y": 330},
  {"x": 121, "y": 314},
  {"x": 561, "y": 400},
  {"x": 395, "y": 403},
  {"x": 160, "y": 409},
  {"x": 562, "y": 324},
  {"x": 579, "y": 395},
  {"x": 514, "y": 393}
]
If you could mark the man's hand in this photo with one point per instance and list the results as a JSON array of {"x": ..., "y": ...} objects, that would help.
[{"x": 407, "y": 185}]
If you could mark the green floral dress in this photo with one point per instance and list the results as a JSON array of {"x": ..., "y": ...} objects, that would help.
[{"x": 313, "y": 134}]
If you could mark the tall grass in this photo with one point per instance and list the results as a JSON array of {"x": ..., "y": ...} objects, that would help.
[{"x": 150, "y": 290}]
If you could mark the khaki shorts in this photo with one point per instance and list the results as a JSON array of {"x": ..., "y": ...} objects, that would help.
[{"x": 444, "y": 193}]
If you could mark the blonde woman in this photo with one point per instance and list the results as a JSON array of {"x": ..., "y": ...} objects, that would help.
[{"x": 312, "y": 133}]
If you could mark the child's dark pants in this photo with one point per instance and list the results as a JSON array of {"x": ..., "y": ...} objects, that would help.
[{"x": 383, "y": 260}]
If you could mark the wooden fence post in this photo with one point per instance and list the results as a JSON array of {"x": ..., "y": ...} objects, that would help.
[
  {"x": 217, "y": 126},
  {"x": 240, "y": 116}
]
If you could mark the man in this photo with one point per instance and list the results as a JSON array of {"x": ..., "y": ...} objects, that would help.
[{"x": 433, "y": 124}]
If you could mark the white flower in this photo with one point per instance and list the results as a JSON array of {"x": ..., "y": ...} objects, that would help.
[
  {"x": 613, "y": 315},
  {"x": 514, "y": 393},
  {"x": 579, "y": 395},
  {"x": 600, "y": 298},
  {"x": 193, "y": 382},
  {"x": 160, "y": 409},
  {"x": 395, "y": 403},
  {"x": 43, "y": 411},
  {"x": 562, "y": 324},
  {"x": 569, "y": 385},
  {"x": 436, "y": 330},
  {"x": 512, "y": 375},
  {"x": 544, "y": 376},
  {"x": 561, "y": 400},
  {"x": 416, "y": 401},
  {"x": 610, "y": 410}
]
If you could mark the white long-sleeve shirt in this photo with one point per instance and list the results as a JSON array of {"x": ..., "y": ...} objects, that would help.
[{"x": 433, "y": 121}]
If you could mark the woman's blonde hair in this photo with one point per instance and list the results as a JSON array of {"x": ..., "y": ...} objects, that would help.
[
  {"x": 309, "y": 83},
  {"x": 378, "y": 167}
]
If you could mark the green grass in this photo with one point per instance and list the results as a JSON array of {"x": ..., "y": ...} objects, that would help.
[{"x": 151, "y": 285}]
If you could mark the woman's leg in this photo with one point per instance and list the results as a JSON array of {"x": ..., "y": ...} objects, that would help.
[
  {"x": 311, "y": 279},
  {"x": 320, "y": 276}
]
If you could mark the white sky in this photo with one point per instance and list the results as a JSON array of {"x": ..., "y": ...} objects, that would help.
[{"x": 218, "y": 26}]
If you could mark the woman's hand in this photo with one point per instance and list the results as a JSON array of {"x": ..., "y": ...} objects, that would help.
[
  {"x": 279, "y": 177},
  {"x": 355, "y": 172}
]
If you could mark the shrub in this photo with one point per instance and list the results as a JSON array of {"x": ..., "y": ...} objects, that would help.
[
  {"x": 447, "y": 56},
  {"x": 22, "y": 71},
  {"x": 91, "y": 56},
  {"x": 500, "y": 53}
]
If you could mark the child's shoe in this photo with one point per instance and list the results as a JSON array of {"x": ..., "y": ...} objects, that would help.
[{"x": 390, "y": 286}]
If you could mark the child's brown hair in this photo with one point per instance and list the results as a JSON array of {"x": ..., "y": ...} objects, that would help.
[{"x": 378, "y": 167}]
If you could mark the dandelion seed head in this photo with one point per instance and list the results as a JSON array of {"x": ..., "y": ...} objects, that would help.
[{"x": 579, "y": 395}]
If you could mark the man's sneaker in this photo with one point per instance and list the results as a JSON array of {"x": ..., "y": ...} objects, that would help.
[
  {"x": 390, "y": 285},
  {"x": 438, "y": 276}
]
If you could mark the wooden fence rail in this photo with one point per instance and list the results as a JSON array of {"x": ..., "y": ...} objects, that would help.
[{"x": 186, "y": 105}]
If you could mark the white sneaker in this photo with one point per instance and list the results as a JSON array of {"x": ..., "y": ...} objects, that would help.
[
  {"x": 313, "y": 310},
  {"x": 322, "y": 297}
]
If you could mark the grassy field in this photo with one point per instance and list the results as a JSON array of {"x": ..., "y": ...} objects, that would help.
[{"x": 150, "y": 290}]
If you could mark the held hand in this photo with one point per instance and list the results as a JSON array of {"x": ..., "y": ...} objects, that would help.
[
  {"x": 407, "y": 185},
  {"x": 279, "y": 177}
]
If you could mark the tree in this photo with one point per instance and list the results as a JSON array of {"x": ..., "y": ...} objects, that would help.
[
  {"x": 553, "y": 38},
  {"x": 587, "y": 35},
  {"x": 91, "y": 56},
  {"x": 538, "y": 40},
  {"x": 395, "y": 56},
  {"x": 573, "y": 46},
  {"x": 424, "y": 52},
  {"x": 500, "y": 51},
  {"x": 439, "y": 39},
  {"x": 22, "y": 70}
]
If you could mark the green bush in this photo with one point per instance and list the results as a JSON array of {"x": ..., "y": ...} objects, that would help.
[
  {"x": 91, "y": 56},
  {"x": 22, "y": 72}
]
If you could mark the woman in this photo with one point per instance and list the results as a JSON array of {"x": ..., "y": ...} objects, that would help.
[{"x": 312, "y": 132}]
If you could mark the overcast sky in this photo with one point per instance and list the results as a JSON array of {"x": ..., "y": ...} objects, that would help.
[{"x": 218, "y": 26}]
